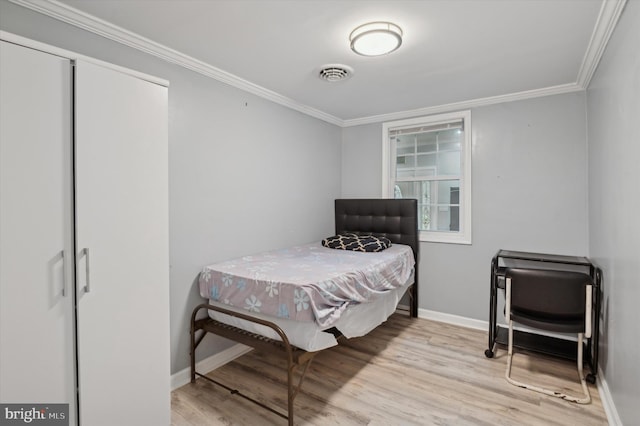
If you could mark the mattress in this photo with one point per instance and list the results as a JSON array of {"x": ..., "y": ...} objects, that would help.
[
  {"x": 356, "y": 321},
  {"x": 308, "y": 283}
]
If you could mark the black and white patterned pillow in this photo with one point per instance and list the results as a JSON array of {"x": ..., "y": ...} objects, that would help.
[{"x": 355, "y": 242}]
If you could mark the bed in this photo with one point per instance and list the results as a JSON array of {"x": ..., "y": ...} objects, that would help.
[{"x": 300, "y": 300}]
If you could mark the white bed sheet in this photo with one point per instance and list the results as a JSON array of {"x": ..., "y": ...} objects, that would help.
[{"x": 356, "y": 321}]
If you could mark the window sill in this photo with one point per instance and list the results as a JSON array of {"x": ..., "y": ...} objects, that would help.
[{"x": 442, "y": 237}]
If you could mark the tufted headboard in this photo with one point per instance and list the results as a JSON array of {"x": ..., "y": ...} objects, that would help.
[{"x": 394, "y": 219}]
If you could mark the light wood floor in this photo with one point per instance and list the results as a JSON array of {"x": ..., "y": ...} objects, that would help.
[{"x": 405, "y": 372}]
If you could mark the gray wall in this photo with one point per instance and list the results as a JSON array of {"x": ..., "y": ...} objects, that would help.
[
  {"x": 245, "y": 174},
  {"x": 529, "y": 193},
  {"x": 614, "y": 202},
  {"x": 248, "y": 175}
]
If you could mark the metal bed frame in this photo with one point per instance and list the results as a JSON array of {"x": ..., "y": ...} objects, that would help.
[{"x": 394, "y": 219}]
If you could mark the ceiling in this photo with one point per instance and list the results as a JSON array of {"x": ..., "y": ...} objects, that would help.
[{"x": 453, "y": 51}]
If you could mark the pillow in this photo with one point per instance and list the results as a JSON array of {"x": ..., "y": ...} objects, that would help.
[{"x": 355, "y": 242}]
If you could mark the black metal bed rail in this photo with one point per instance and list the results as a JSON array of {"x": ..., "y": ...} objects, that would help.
[{"x": 296, "y": 357}]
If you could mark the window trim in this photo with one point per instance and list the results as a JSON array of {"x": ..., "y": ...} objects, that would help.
[{"x": 464, "y": 235}]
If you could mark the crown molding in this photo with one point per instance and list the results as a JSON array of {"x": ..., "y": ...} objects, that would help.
[
  {"x": 85, "y": 21},
  {"x": 474, "y": 103},
  {"x": 607, "y": 20},
  {"x": 608, "y": 17}
]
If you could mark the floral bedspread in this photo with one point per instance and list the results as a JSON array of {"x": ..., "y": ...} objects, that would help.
[{"x": 308, "y": 282}]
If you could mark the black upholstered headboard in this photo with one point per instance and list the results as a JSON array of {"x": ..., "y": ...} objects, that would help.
[
  {"x": 391, "y": 218},
  {"x": 394, "y": 219}
]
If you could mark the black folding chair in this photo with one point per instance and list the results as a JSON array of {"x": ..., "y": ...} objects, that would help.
[{"x": 558, "y": 301}]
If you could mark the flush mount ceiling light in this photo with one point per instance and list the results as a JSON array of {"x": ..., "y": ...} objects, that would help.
[{"x": 375, "y": 38}]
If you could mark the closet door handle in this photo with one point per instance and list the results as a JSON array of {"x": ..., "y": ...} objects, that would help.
[
  {"x": 64, "y": 275},
  {"x": 87, "y": 287}
]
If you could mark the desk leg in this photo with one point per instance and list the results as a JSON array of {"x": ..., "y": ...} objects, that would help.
[
  {"x": 594, "y": 341},
  {"x": 493, "y": 296}
]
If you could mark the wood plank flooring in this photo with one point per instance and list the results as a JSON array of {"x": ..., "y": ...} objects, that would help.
[{"x": 405, "y": 372}]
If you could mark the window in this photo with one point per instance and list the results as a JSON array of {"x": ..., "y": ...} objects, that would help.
[{"x": 429, "y": 159}]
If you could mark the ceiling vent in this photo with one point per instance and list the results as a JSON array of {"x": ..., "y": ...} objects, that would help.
[{"x": 335, "y": 72}]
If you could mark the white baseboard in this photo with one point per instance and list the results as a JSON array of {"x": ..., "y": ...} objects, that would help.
[
  {"x": 483, "y": 325},
  {"x": 607, "y": 401},
  {"x": 183, "y": 377},
  {"x": 453, "y": 319},
  {"x": 402, "y": 307}
]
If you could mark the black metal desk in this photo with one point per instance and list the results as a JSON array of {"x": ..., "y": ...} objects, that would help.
[{"x": 539, "y": 343}]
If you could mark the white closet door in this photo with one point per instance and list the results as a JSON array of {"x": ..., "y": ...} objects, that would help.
[
  {"x": 37, "y": 358},
  {"x": 122, "y": 231}
]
